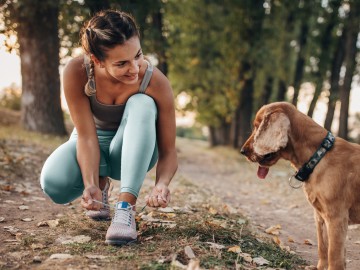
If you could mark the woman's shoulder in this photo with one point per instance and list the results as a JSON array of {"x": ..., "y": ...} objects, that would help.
[{"x": 75, "y": 68}]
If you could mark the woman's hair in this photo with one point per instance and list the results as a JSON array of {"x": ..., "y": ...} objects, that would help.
[{"x": 105, "y": 30}]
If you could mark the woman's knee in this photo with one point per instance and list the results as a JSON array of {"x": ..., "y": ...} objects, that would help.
[
  {"x": 142, "y": 105},
  {"x": 60, "y": 177}
]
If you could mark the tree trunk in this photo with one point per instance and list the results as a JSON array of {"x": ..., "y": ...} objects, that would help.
[
  {"x": 245, "y": 112},
  {"x": 300, "y": 63},
  {"x": 281, "y": 91},
  {"x": 350, "y": 64},
  {"x": 268, "y": 88},
  {"x": 220, "y": 135},
  {"x": 160, "y": 43},
  {"x": 324, "y": 62},
  {"x": 334, "y": 80},
  {"x": 39, "y": 54}
]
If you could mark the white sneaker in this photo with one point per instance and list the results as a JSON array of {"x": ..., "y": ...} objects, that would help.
[
  {"x": 123, "y": 226},
  {"x": 104, "y": 212}
]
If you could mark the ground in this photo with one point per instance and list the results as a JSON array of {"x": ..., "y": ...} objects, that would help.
[{"x": 220, "y": 217}]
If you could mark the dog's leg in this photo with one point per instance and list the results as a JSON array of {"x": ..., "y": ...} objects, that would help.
[
  {"x": 337, "y": 230},
  {"x": 322, "y": 239}
]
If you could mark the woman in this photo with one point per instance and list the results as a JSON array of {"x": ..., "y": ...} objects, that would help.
[{"x": 123, "y": 112}]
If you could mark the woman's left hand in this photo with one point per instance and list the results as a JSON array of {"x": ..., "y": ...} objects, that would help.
[{"x": 159, "y": 197}]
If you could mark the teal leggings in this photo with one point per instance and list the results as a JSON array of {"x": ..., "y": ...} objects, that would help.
[{"x": 127, "y": 154}]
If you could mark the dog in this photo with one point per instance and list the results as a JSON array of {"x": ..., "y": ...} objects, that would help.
[{"x": 329, "y": 168}]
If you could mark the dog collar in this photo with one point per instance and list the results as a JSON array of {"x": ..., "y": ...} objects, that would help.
[{"x": 305, "y": 171}]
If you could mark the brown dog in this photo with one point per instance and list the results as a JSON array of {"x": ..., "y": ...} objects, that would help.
[{"x": 331, "y": 177}]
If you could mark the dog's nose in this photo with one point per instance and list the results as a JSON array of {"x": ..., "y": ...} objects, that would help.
[{"x": 243, "y": 151}]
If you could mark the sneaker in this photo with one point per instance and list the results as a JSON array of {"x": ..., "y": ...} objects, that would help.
[
  {"x": 104, "y": 212},
  {"x": 123, "y": 226}
]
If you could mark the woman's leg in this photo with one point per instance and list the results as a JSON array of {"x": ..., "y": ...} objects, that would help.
[
  {"x": 133, "y": 150},
  {"x": 61, "y": 177}
]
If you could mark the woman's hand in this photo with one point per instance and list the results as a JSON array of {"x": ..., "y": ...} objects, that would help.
[
  {"x": 90, "y": 194},
  {"x": 159, "y": 197}
]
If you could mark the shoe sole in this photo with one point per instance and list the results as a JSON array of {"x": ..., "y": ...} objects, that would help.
[
  {"x": 100, "y": 219},
  {"x": 119, "y": 242}
]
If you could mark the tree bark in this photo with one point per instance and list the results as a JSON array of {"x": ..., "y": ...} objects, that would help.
[
  {"x": 350, "y": 64},
  {"x": 300, "y": 63},
  {"x": 334, "y": 80},
  {"x": 324, "y": 56},
  {"x": 39, "y": 54}
]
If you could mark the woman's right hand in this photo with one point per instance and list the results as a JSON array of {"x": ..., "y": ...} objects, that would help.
[{"x": 90, "y": 194}]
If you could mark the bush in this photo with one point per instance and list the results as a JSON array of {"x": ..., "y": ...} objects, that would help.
[
  {"x": 10, "y": 97},
  {"x": 193, "y": 132}
]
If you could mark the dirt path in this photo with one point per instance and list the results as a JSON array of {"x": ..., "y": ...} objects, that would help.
[{"x": 266, "y": 202}]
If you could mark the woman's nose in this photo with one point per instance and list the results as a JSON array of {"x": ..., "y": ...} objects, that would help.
[{"x": 134, "y": 67}]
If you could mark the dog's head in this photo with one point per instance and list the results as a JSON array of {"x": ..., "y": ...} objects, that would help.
[{"x": 268, "y": 138}]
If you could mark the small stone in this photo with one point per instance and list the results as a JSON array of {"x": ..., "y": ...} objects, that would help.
[{"x": 37, "y": 259}]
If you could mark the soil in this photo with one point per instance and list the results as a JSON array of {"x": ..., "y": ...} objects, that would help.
[{"x": 29, "y": 221}]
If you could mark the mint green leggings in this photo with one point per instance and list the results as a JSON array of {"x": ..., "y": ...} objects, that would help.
[{"x": 126, "y": 154}]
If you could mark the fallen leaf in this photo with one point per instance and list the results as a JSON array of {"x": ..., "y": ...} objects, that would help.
[
  {"x": 189, "y": 252},
  {"x": 37, "y": 246},
  {"x": 229, "y": 209},
  {"x": 277, "y": 240},
  {"x": 51, "y": 223},
  {"x": 24, "y": 207},
  {"x": 27, "y": 219},
  {"x": 96, "y": 257},
  {"x": 357, "y": 242},
  {"x": 274, "y": 230},
  {"x": 261, "y": 261},
  {"x": 291, "y": 240},
  {"x": 60, "y": 256},
  {"x": 212, "y": 211},
  {"x": 215, "y": 246},
  {"x": 246, "y": 257},
  {"x": 65, "y": 240},
  {"x": 2, "y": 219},
  {"x": 166, "y": 210},
  {"x": 308, "y": 242},
  {"x": 235, "y": 249}
]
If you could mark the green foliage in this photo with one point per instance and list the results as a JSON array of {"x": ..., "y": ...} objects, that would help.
[
  {"x": 194, "y": 132},
  {"x": 10, "y": 98}
]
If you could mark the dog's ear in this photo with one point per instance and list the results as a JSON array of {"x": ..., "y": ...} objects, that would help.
[{"x": 272, "y": 133}]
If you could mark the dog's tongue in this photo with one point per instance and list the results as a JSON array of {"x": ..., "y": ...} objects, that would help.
[{"x": 262, "y": 172}]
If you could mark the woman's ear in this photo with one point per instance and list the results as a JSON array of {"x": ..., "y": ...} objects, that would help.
[
  {"x": 96, "y": 61},
  {"x": 272, "y": 133}
]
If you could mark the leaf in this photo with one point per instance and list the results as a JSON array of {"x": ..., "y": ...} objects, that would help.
[
  {"x": 261, "y": 261},
  {"x": 189, "y": 252},
  {"x": 24, "y": 207},
  {"x": 213, "y": 211},
  {"x": 2, "y": 219},
  {"x": 246, "y": 257},
  {"x": 27, "y": 219},
  {"x": 215, "y": 246},
  {"x": 274, "y": 230},
  {"x": 60, "y": 256},
  {"x": 235, "y": 249},
  {"x": 166, "y": 210},
  {"x": 50, "y": 223},
  {"x": 308, "y": 242}
]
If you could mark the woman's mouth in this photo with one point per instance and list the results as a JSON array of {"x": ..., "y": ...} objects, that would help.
[{"x": 131, "y": 77}]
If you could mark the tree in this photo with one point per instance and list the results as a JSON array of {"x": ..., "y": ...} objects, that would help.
[
  {"x": 36, "y": 25},
  {"x": 352, "y": 30}
]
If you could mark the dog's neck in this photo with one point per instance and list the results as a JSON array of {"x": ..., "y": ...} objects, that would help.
[{"x": 303, "y": 141}]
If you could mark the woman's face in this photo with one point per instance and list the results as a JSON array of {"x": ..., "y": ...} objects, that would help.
[{"x": 123, "y": 62}]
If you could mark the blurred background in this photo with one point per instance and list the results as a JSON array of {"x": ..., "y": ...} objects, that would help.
[{"x": 225, "y": 59}]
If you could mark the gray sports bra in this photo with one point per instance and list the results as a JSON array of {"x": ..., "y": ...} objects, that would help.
[{"x": 108, "y": 117}]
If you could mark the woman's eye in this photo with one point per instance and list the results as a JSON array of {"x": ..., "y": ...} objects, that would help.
[{"x": 138, "y": 56}]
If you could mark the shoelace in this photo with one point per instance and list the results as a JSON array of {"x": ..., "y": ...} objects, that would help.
[
  {"x": 123, "y": 215},
  {"x": 113, "y": 206}
]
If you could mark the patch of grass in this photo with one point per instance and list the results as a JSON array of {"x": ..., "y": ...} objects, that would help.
[{"x": 81, "y": 248}]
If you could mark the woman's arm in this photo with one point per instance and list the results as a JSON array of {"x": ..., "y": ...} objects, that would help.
[
  {"x": 88, "y": 153},
  {"x": 162, "y": 93}
]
